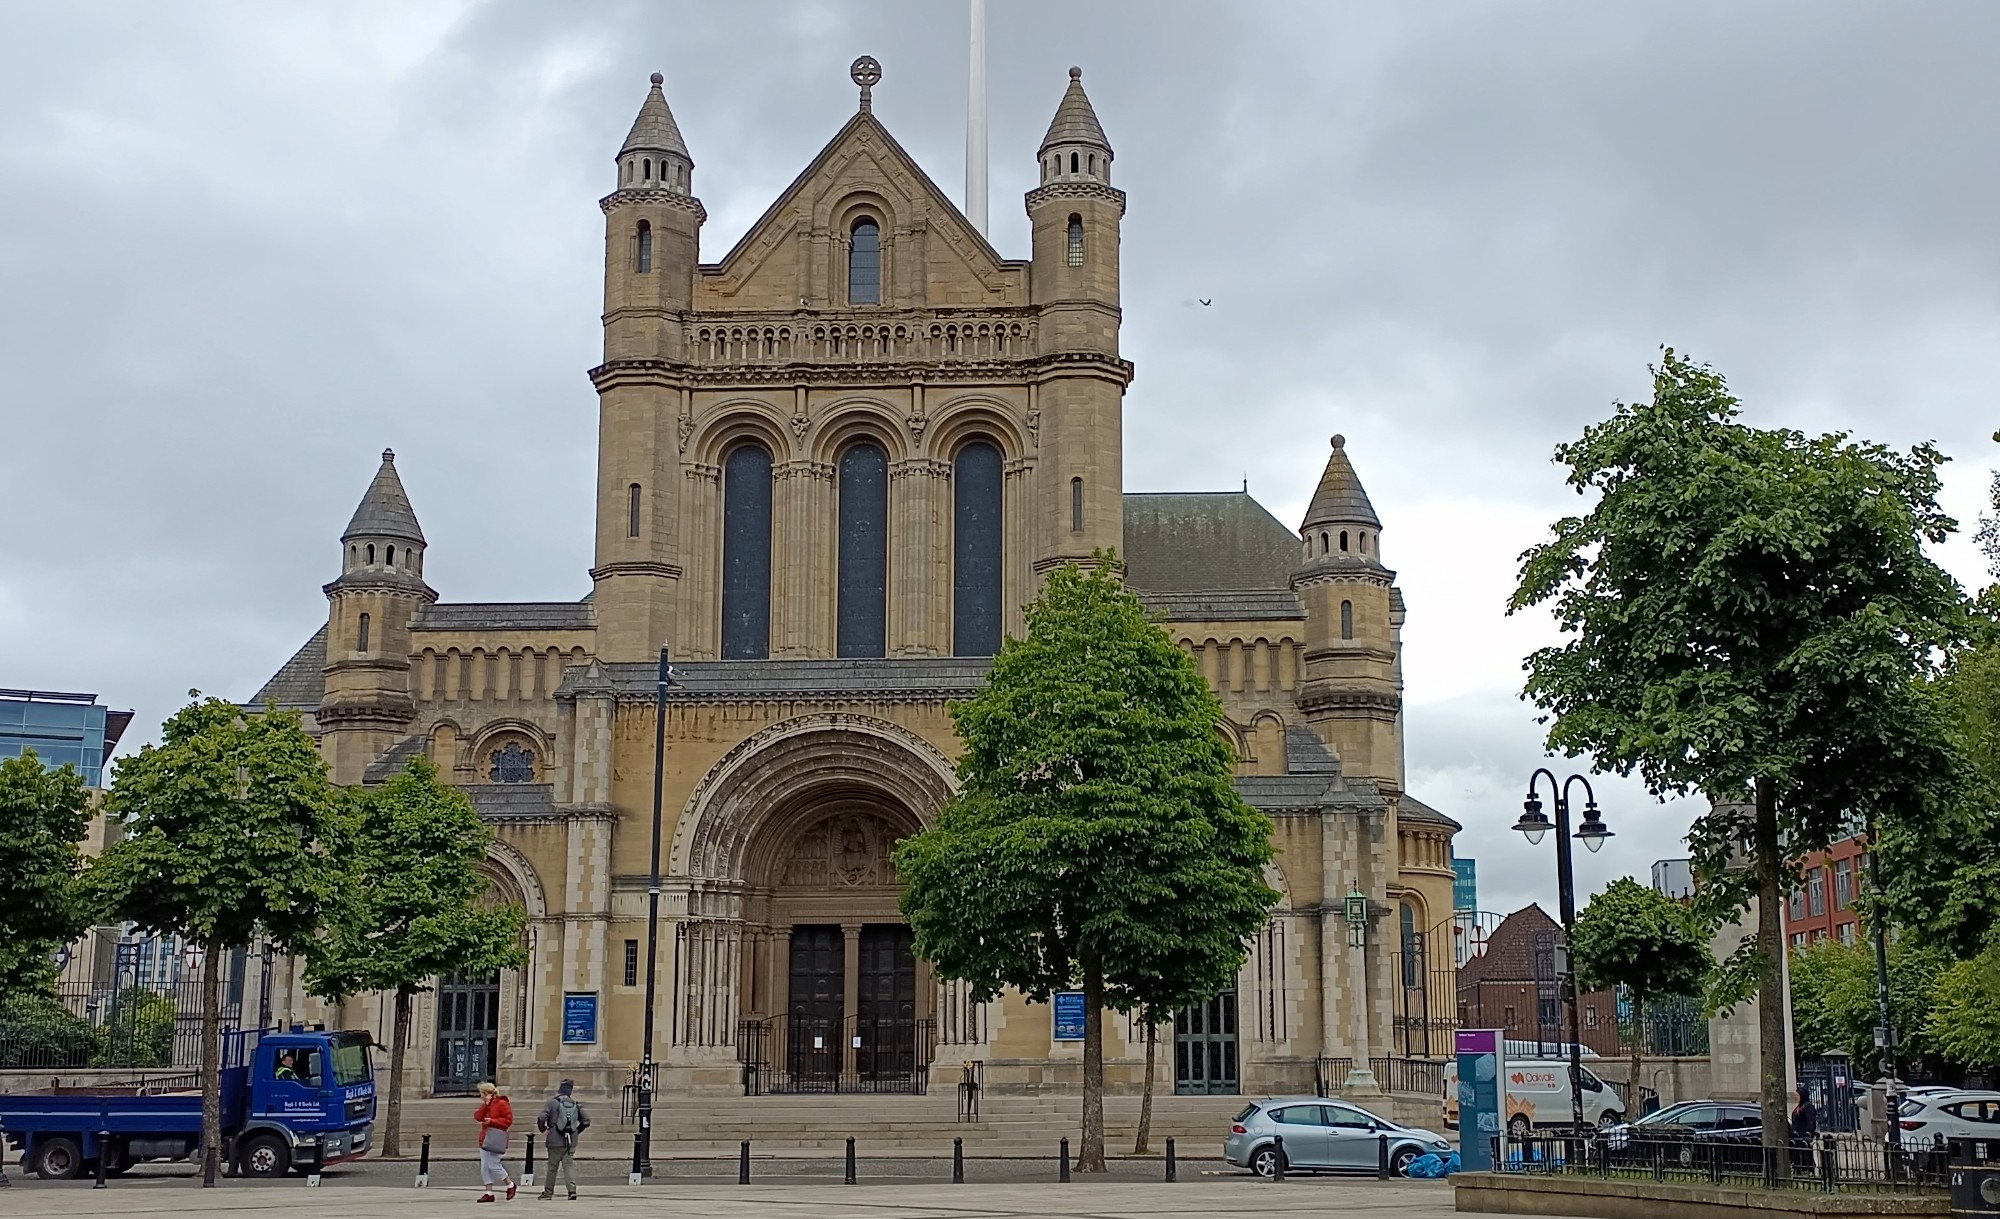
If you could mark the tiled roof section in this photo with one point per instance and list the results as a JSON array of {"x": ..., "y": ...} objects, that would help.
[
  {"x": 385, "y": 510},
  {"x": 1075, "y": 121},
  {"x": 506, "y": 616},
  {"x": 300, "y": 683},
  {"x": 711, "y": 681},
  {"x": 1413, "y": 809},
  {"x": 1510, "y": 950},
  {"x": 1307, "y": 754},
  {"x": 1281, "y": 794},
  {"x": 655, "y": 130},
  {"x": 1207, "y": 543},
  {"x": 511, "y": 801},
  {"x": 393, "y": 760},
  {"x": 1234, "y": 605},
  {"x": 1340, "y": 499}
]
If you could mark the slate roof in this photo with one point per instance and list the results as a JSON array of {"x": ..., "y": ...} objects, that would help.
[
  {"x": 506, "y": 615},
  {"x": 938, "y": 678},
  {"x": 1307, "y": 754},
  {"x": 1075, "y": 122},
  {"x": 385, "y": 509},
  {"x": 655, "y": 130},
  {"x": 299, "y": 684},
  {"x": 393, "y": 760},
  {"x": 1510, "y": 950},
  {"x": 1340, "y": 500},
  {"x": 1213, "y": 554},
  {"x": 1413, "y": 810},
  {"x": 503, "y": 801}
]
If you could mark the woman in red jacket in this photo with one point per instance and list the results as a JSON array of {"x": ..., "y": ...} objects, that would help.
[{"x": 495, "y": 1116}]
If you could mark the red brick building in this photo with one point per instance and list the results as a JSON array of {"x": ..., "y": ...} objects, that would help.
[
  {"x": 1512, "y": 986},
  {"x": 1823, "y": 906}
]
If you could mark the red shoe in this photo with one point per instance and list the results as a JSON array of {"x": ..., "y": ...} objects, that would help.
[
  {"x": 484, "y": 1198},
  {"x": 512, "y": 1189}
]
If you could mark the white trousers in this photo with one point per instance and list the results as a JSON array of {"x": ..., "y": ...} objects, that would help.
[{"x": 491, "y": 1170}]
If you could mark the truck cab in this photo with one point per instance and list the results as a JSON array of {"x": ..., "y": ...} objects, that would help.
[{"x": 309, "y": 1099}]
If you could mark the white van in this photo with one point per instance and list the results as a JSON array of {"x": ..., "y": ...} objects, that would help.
[{"x": 1538, "y": 1095}]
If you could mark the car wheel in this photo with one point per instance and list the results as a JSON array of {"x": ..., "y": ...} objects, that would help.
[
  {"x": 1609, "y": 1119},
  {"x": 1686, "y": 1155},
  {"x": 1518, "y": 1127},
  {"x": 1264, "y": 1161},
  {"x": 266, "y": 1156},
  {"x": 58, "y": 1159},
  {"x": 1401, "y": 1159}
]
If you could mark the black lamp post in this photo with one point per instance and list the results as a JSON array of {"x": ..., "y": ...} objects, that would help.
[
  {"x": 667, "y": 678},
  {"x": 1885, "y": 1032},
  {"x": 1533, "y": 824}
]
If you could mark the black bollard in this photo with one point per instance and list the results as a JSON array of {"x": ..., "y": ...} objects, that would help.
[
  {"x": 1382, "y": 1157},
  {"x": 638, "y": 1158},
  {"x": 424, "y": 1163},
  {"x": 849, "y": 1178},
  {"x": 1278, "y": 1158},
  {"x": 103, "y": 1157},
  {"x": 1173, "y": 1167},
  {"x": 1062, "y": 1171},
  {"x": 528, "y": 1172},
  {"x": 958, "y": 1161},
  {"x": 743, "y": 1163}
]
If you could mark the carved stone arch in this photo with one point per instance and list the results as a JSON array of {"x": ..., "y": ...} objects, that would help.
[
  {"x": 513, "y": 875},
  {"x": 501, "y": 734},
  {"x": 736, "y": 420},
  {"x": 846, "y": 205},
  {"x": 851, "y": 419},
  {"x": 1274, "y": 876},
  {"x": 1267, "y": 737},
  {"x": 442, "y": 747},
  {"x": 967, "y": 417},
  {"x": 788, "y": 770},
  {"x": 1234, "y": 735}
]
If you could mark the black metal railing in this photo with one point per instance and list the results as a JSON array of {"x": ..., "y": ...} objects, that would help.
[
  {"x": 854, "y": 1054},
  {"x": 126, "y": 1005},
  {"x": 1830, "y": 1163},
  {"x": 971, "y": 1086},
  {"x": 1424, "y": 1076}
]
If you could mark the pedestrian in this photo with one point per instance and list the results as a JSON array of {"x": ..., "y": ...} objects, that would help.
[
  {"x": 562, "y": 1119},
  {"x": 1805, "y": 1127},
  {"x": 495, "y": 1116}
]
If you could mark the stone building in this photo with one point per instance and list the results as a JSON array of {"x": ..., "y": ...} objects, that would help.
[{"x": 832, "y": 467}]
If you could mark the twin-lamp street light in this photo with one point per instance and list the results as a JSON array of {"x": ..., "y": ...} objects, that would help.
[{"x": 1534, "y": 823}]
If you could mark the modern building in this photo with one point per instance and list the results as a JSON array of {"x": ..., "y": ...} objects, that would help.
[
  {"x": 1674, "y": 878},
  {"x": 833, "y": 467},
  {"x": 1823, "y": 907},
  {"x": 62, "y": 729},
  {"x": 1465, "y": 883}
]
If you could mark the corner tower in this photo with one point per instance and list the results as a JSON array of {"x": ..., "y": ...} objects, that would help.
[
  {"x": 1351, "y": 690},
  {"x": 1074, "y": 216},
  {"x": 368, "y": 704},
  {"x": 652, "y": 234}
]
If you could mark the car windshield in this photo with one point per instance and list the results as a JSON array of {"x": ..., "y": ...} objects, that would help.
[
  {"x": 1672, "y": 1113},
  {"x": 350, "y": 1063}
]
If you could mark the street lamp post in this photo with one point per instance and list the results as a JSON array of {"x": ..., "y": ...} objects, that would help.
[
  {"x": 1885, "y": 1032},
  {"x": 1592, "y": 833},
  {"x": 666, "y": 679}
]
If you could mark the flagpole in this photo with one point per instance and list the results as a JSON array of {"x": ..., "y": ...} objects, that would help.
[{"x": 975, "y": 122}]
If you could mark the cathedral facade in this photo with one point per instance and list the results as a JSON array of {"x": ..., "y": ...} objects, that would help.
[{"x": 832, "y": 468}]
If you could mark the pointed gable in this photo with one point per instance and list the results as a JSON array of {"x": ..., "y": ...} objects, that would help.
[{"x": 795, "y": 254}]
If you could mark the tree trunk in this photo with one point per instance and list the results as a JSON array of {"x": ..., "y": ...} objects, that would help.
[
  {"x": 211, "y": 1062},
  {"x": 1772, "y": 1052},
  {"x": 1632, "y": 1103},
  {"x": 1139, "y": 1146},
  {"x": 1090, "y": 1157},
  {"x": 399, "y": 1041}
]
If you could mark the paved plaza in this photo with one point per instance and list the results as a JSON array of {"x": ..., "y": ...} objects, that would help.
[{"x": 1208, "y": 1198}]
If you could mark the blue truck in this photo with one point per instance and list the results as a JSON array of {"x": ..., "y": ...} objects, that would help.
[{"x": 297, "y": 1099}]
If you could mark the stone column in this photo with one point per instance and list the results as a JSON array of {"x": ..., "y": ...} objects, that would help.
[
  {"x": 701, "y": 586},
  {"x": 1017, "y": 578},
  {"x": 781, "y": 971},
  {"x": 917, "y": 547},
  {"x": 850, "y": 1004}
]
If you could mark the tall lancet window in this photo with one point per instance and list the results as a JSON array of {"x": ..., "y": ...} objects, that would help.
[
  {"x": 746, "y": 553},
  {"x": 975, "y": 570},
  {"x": 644, "y": 259},
  {"x": 864, "y": 550},
  {"x": 1076, "y": 241},
  {"x": 864, "y": 264}
]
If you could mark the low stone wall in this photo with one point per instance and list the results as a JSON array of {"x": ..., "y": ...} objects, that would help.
[
  {"x": 1675, "y": 1079},
  {"x": 1506, "y": 1193}
]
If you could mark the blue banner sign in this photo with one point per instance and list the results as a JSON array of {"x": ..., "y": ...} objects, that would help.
[
  {"x": 579, "y": 1018},
  {"x": 1069, "y": 1015}
]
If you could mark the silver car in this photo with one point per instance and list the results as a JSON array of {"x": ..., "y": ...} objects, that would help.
[{"x": 1322, "y": 1134}]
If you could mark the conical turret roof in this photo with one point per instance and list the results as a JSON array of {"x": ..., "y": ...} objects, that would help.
[
  {"x": 385, "y": 510},
  {"x": 1075, "y": 121},
  {"x": 655, "y": 130},
  {"x": 1340, "y": 499}
]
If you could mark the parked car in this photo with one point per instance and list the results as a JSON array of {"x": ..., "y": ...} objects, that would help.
[
  {"x": 1955, "y": 1113},
  {"x": 1538, "y": 1095},
  {"x": 1685, "y": 1118},
  {"x": 1322, "y": 1134}
]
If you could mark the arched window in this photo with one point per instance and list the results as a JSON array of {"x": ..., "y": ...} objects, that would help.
[
  {"x": 1072, "y": 163},
  {"x": 392, "y": 556},
  {"x": 863, "y": 605},
  {"x": 644, "y": 260},
  {"x": 864, "y": 264},
  {"x": 1076, "y": 241},
  {"x": 361, "y": 637},
  {"x": 1322, "y": 541},
  {"x": 1347, "y": 619},
  {"x": 1364, "y": 541},
  {"x": 371, "y": 553},
  {"x": 512, "y": 764},
  {"x": 632, "y": 511},
  {"x": 746, "y": 553},
  {"x": 975, "y": 569},
  {"x": 1076, "y": 505},
  {"x": 1343, "y": 541},
  {"x": 1412, "y": 951},
  {"x": 1092, "y": 163},
  {"x": 649, "y": 169}
]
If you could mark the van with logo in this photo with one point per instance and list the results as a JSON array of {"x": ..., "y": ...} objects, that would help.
[{"x": 1538, "y": 1095}]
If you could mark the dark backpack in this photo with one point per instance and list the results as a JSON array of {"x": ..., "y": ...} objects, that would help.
[{"x": 569, "y": 1118}]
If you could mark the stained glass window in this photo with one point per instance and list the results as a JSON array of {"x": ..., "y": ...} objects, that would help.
[
  {"x": 645, "y": 259},
  {"x": 864, "y": 265},
  {"x": 746, "y": 553},
  {"x": 975, "y": 575},
  {"x": 1076, "y": 241},
  {"x": 864, "y": 550},
  {"x": 513, "y": 764}
]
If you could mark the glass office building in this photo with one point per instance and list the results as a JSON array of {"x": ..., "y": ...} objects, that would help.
[
  {"x": 1465, "y": 884},
  {"x": 61, "y": 728}
]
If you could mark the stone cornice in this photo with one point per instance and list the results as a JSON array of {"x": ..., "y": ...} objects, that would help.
[
  {"x": 1076, "y": 190},
  {"x": 892, "y": 374},
  {"x": 395, "y": 584},
  {"x": 655, "y": 198},
  {"x": 636, "y": 567},
  {"x": 1377, "y": 703}
]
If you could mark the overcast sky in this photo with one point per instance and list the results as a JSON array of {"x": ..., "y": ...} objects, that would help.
[{"x": 243, "y": 247}]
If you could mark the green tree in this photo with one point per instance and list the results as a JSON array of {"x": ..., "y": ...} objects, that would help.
[
  {"x": 37, "y": 1032},
  {"x": 44, "y": 814},
  {"x": 1097, "y": 837},
  {"x": 140, "y": 1029},
  {"x": 1631, "y": 936},
  {"x": 1964, "y": 1019},
  {"x": 1834, "y": 1003},
  {"x": 232, "y": 833},
  {"x": 415, "y": 910},
  {"x": 1751, "y": 613}
]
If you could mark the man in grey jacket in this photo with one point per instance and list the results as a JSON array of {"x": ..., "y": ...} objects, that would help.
[{"x": 562, "y": 1120}]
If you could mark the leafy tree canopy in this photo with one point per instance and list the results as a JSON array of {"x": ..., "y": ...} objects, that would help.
[
  {"x": 44, "y": 815},
  {"x": 1964, "y": 1020},
  {"x": 1631, "y": 936},
  {"x": 1834, "y": 1005}
]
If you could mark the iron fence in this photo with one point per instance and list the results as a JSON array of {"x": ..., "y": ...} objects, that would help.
[
  {"x": 1418, "y": 1075},
  {"x": 853, "y": 1054},
  {"x": 1830, "y": 1163},
  {"x": 123, "y": 1002}
]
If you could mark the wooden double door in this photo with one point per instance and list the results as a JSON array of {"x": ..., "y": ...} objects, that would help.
[{"x": 877, "y": 1039}]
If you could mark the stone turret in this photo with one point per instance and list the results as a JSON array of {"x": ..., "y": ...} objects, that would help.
[{"x": 368, "y": 703}]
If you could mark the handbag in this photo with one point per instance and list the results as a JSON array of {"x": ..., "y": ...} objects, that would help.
[{"x": 494, "y": 1140}]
